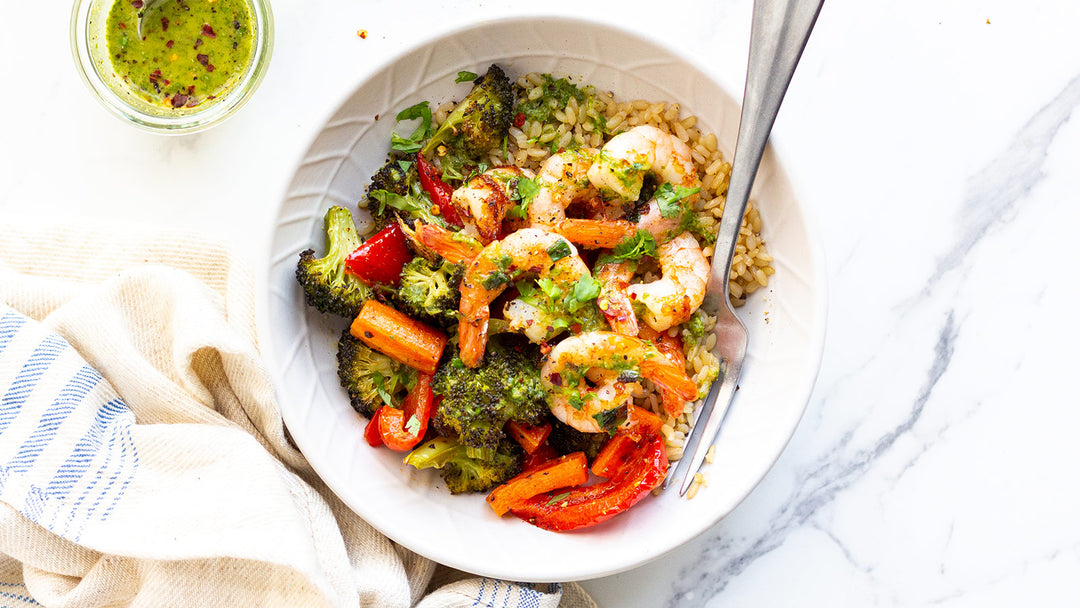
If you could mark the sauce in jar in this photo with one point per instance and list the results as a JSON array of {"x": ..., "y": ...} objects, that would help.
[{"x": 190, "y": 52}]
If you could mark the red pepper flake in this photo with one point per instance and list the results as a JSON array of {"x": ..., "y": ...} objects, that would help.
[
  {"x": 179, "y": 99},
  {"x": 203, "y": 59},
  {"x": 123, "y": 25},
  {"x": 362, "y": 34},
  {"x": 519, "y": 120},
  {"x": 208, "y": 31},
  {"x": 210, "y": 68},
  {"x": 137, "y": 3},
  {"x": 191, "y": 103},
  {"x": 191, "y": 90},
  {"x": 169, "y": 44},
  {"x": 156, "y": 74},
  {"x": 198, "y": 43},
  {"x": 164, "y": 24}
]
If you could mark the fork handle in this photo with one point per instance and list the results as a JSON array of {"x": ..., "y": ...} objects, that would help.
[{"x": 777, "y": 37}]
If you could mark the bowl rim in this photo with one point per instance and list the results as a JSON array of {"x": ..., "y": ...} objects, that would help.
[
  {"x": 212, "y": 115},
  {"x": 818, "y": 308}
]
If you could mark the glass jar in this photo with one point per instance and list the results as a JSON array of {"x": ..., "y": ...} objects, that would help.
[{"x": 89, "y": 46}]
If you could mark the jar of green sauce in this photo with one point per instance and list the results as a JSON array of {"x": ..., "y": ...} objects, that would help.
[{"x": 192, "y": 64}]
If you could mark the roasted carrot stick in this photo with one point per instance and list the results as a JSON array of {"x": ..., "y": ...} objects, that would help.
[
  {"x": 399, "y": 336},
  {"x": 563, "y": 472}
]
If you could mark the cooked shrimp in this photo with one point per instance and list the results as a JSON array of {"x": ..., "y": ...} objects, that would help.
[
  {"x": 454, "y": 247},
  {"x": 614, "y": 280},
  {"x": 486, "y": 198},
  {"x": 530, "y": 250},
  {"x": 675, "y": 296},
  {"x": 596, "y": 234},
  {"x": 562, "y": 181},
  {"x": 621, "y": 165},
  {"x": 590, "y": 376},
  {"x": 672, "y": 348}
]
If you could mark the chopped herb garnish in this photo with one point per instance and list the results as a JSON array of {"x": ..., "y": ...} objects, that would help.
[
  {"x": 559, "y": 250},
  {"x": 635, "y": 247},
  {"x": 550, "y": 289},
  {"x": 525, "y": 190},
  {"x": 586, "y": 289},
  {"x": 495, "y": 280},
  {"x": 465, "y": 76},
  {"x": 668, "y": 197},
  {"x": 412, "y": 143},
  {"x": 413, "y": 425},
  {"x": 558, "y": 498}
]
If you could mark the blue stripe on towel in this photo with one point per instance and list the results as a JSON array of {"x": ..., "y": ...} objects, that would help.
[
  {"x": 80, "y": 420},
  {"x": 39, "y": 361},
  {"x": 10, "y": 322},
  {"x": 72, "y": 395}
]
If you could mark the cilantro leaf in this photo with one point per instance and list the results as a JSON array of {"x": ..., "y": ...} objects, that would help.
[
  {"x": 411, "y": 144},
  {"x": 668, "y": 197},
  {"x": 550, "y": 289},
  {"x": 587, "y": 288},
  {"x": 465, "y": 76},
  {"x": 525, "y": 190}
]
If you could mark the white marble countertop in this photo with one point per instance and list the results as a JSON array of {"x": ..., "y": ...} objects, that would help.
[{"x": 937, "y": 461}]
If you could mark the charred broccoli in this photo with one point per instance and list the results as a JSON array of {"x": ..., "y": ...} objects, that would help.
[
  {"x": 429, "y": 290},
  {"x": 461, "y": 472},
  {"x": 481, "y": 121},
  {"x": 326, "y": 285},
  {"x": 371, "y": 378},
  {"x": 477, "y": 402},
  {"x": 566, "y": 439},
  {"x": 394, "y": 188}
]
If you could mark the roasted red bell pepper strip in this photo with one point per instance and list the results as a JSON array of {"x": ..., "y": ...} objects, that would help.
[
  {"x": 439, "y": 191},
  {"x": 615, "y": 455},
  {"x": 371, "y": 431},
  {"x": 588, "y": 506},
  {"x": 380, "y": 258},
  {"x": 401, "y": 429},
  {"x": 528, "y": 437}
]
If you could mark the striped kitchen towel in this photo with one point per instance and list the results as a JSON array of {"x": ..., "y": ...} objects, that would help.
[{"x": 143, "y": 461}]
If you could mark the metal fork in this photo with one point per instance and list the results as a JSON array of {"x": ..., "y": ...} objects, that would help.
[{"x": 777, "y": 38}]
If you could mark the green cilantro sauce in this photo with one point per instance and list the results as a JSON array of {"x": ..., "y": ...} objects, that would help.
[{"x": 191, "y": 51}]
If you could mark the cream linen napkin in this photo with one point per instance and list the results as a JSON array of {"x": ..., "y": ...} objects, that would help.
[{"x": 143, "y": 460}]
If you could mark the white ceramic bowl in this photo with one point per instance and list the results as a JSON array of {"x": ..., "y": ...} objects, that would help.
[{"x": 413, "y": 508}]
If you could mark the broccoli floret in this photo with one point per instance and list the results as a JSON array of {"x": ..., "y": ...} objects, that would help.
[
  {"x": 477, "y": 402},
  {"x": 326, "y": 285},
  {"x": 566, "y": 439},
  {"x": 481, "y": 121},
  {"x": 371, "y": 378},
  {"x": 397, "y": 178},
  {"x": 461, "y": 472},
  {"x": 429, "y": 290}
]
